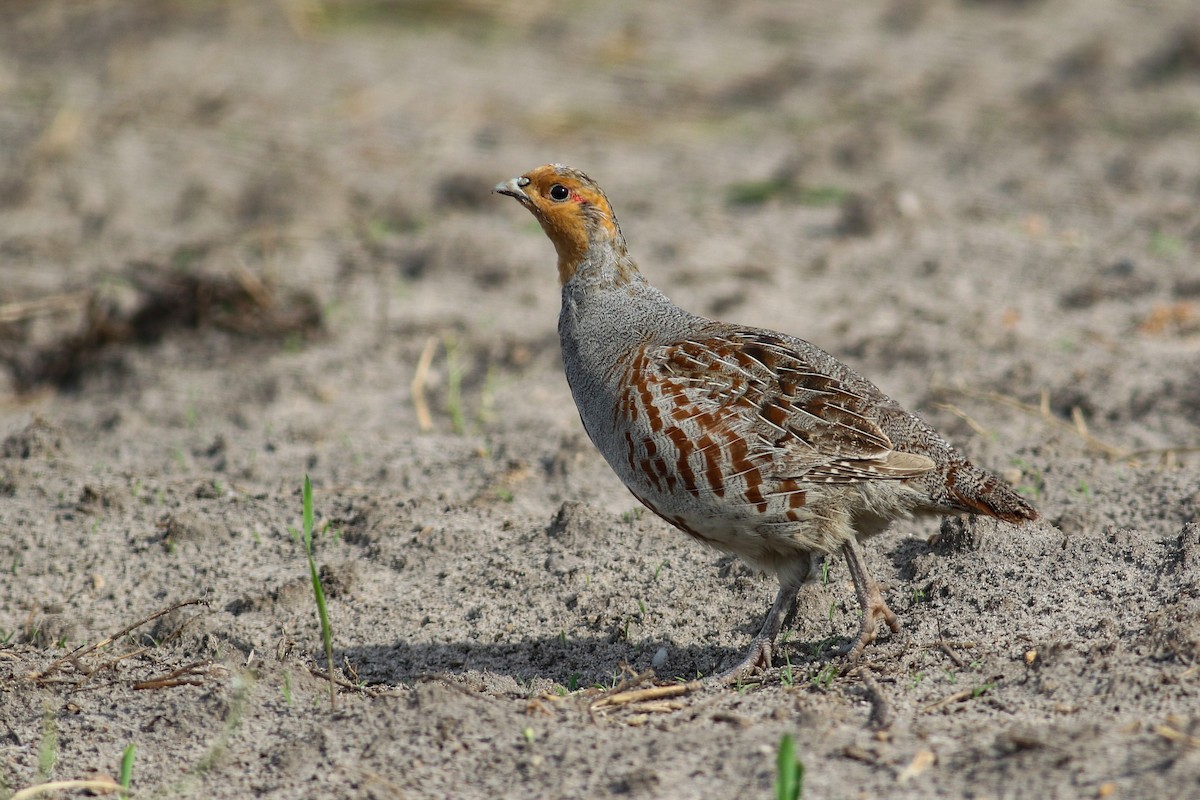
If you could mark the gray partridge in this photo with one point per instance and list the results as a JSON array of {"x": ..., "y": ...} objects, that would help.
[{"x": 757, "y": 443}]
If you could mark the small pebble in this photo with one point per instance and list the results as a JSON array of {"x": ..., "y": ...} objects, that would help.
[{"x": 660, "y": 658}]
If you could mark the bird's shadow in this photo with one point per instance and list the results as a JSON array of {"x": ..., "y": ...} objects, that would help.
[
  {"x": 905, "y": 554},
  {"x": 581, "y": 661},
  {"x": 570, "y": 662}
]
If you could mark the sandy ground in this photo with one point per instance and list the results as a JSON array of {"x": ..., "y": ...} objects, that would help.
[{"x": 230, "y": 231}]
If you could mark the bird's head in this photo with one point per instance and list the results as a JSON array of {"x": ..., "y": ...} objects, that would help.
[{"x": 572, "y": 210}]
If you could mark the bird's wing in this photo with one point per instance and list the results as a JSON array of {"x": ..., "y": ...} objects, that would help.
[{"x": 808, "y": 423}]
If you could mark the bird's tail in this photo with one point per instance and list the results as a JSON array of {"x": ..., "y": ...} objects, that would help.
[{"x": 982, "y": 492}]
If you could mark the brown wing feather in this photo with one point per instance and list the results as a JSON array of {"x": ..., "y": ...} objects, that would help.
[{"x": 809, "y": 424}]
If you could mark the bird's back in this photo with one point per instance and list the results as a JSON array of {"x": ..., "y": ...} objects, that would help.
[{"x": 717, "y": 426}]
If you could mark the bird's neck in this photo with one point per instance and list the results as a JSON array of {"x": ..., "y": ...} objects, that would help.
[
  {"x": 604, "y": 264},
  {"x": 606, "y": 299}
]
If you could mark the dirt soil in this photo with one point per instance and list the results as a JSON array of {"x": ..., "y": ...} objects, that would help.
[{"x": 245, "y": 241}]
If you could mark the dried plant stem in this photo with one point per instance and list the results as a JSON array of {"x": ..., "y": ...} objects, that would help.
[
  {"x": 420, "y": 404},
  {"x": 80, "y": 652}
]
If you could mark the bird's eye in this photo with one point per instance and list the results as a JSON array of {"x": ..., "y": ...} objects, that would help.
[{"x": 558, "y": 193}]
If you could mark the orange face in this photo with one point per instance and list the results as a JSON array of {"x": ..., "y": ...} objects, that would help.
[{"x": 571, "y": 208}]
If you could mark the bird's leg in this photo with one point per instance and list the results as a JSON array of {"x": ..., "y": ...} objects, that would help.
[
  {"x": 763, "y": 645},
  {"x": 870, "y": 597}
]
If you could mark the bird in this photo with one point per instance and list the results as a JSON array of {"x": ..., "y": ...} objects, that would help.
[{"x": 751, "y": 441}]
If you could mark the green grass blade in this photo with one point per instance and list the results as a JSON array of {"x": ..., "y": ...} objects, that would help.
[
  {"x": 318, "y": 589},
  {"x": 48, "y": 747},
  {"x": 789, "y": 772},
  {"x": 326, "y": 629},
  {"x": 308, "y": 515},
  {"x": 126, "y": 774}
]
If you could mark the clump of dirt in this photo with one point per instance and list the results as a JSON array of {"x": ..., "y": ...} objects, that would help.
[{"x": 155, "y": 303}]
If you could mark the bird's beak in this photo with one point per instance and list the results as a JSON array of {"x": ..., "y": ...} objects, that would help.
[{"x": 512, "y": 188}]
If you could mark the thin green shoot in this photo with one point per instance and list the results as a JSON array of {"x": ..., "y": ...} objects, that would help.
[
  {"x": 786, "y": 676},
  {"x": 487, "y": 397},
  {"x": 48, "y": 747},
  {"x": 1035, "y": 483},
  {"x": 613, "y": 679},
  {"x": 125, "y": 777},
  {"x": 318, "y": 589},
  {"x": 1164, "y": 245},
  {"x": 789, "y": 770},
  {"x": 816, "y": 649},
  {"x": 824, "y": 678}
]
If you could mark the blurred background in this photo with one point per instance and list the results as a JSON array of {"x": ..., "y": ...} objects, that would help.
[{"x": 346, "y": 149}]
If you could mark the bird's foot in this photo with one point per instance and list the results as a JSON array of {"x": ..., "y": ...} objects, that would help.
[
  {"x": 874, "y": 610},
  {"x": 762, "y": 648},
  {"x": 758, "y": 659},
  {"x": 870, "y": 600}
]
